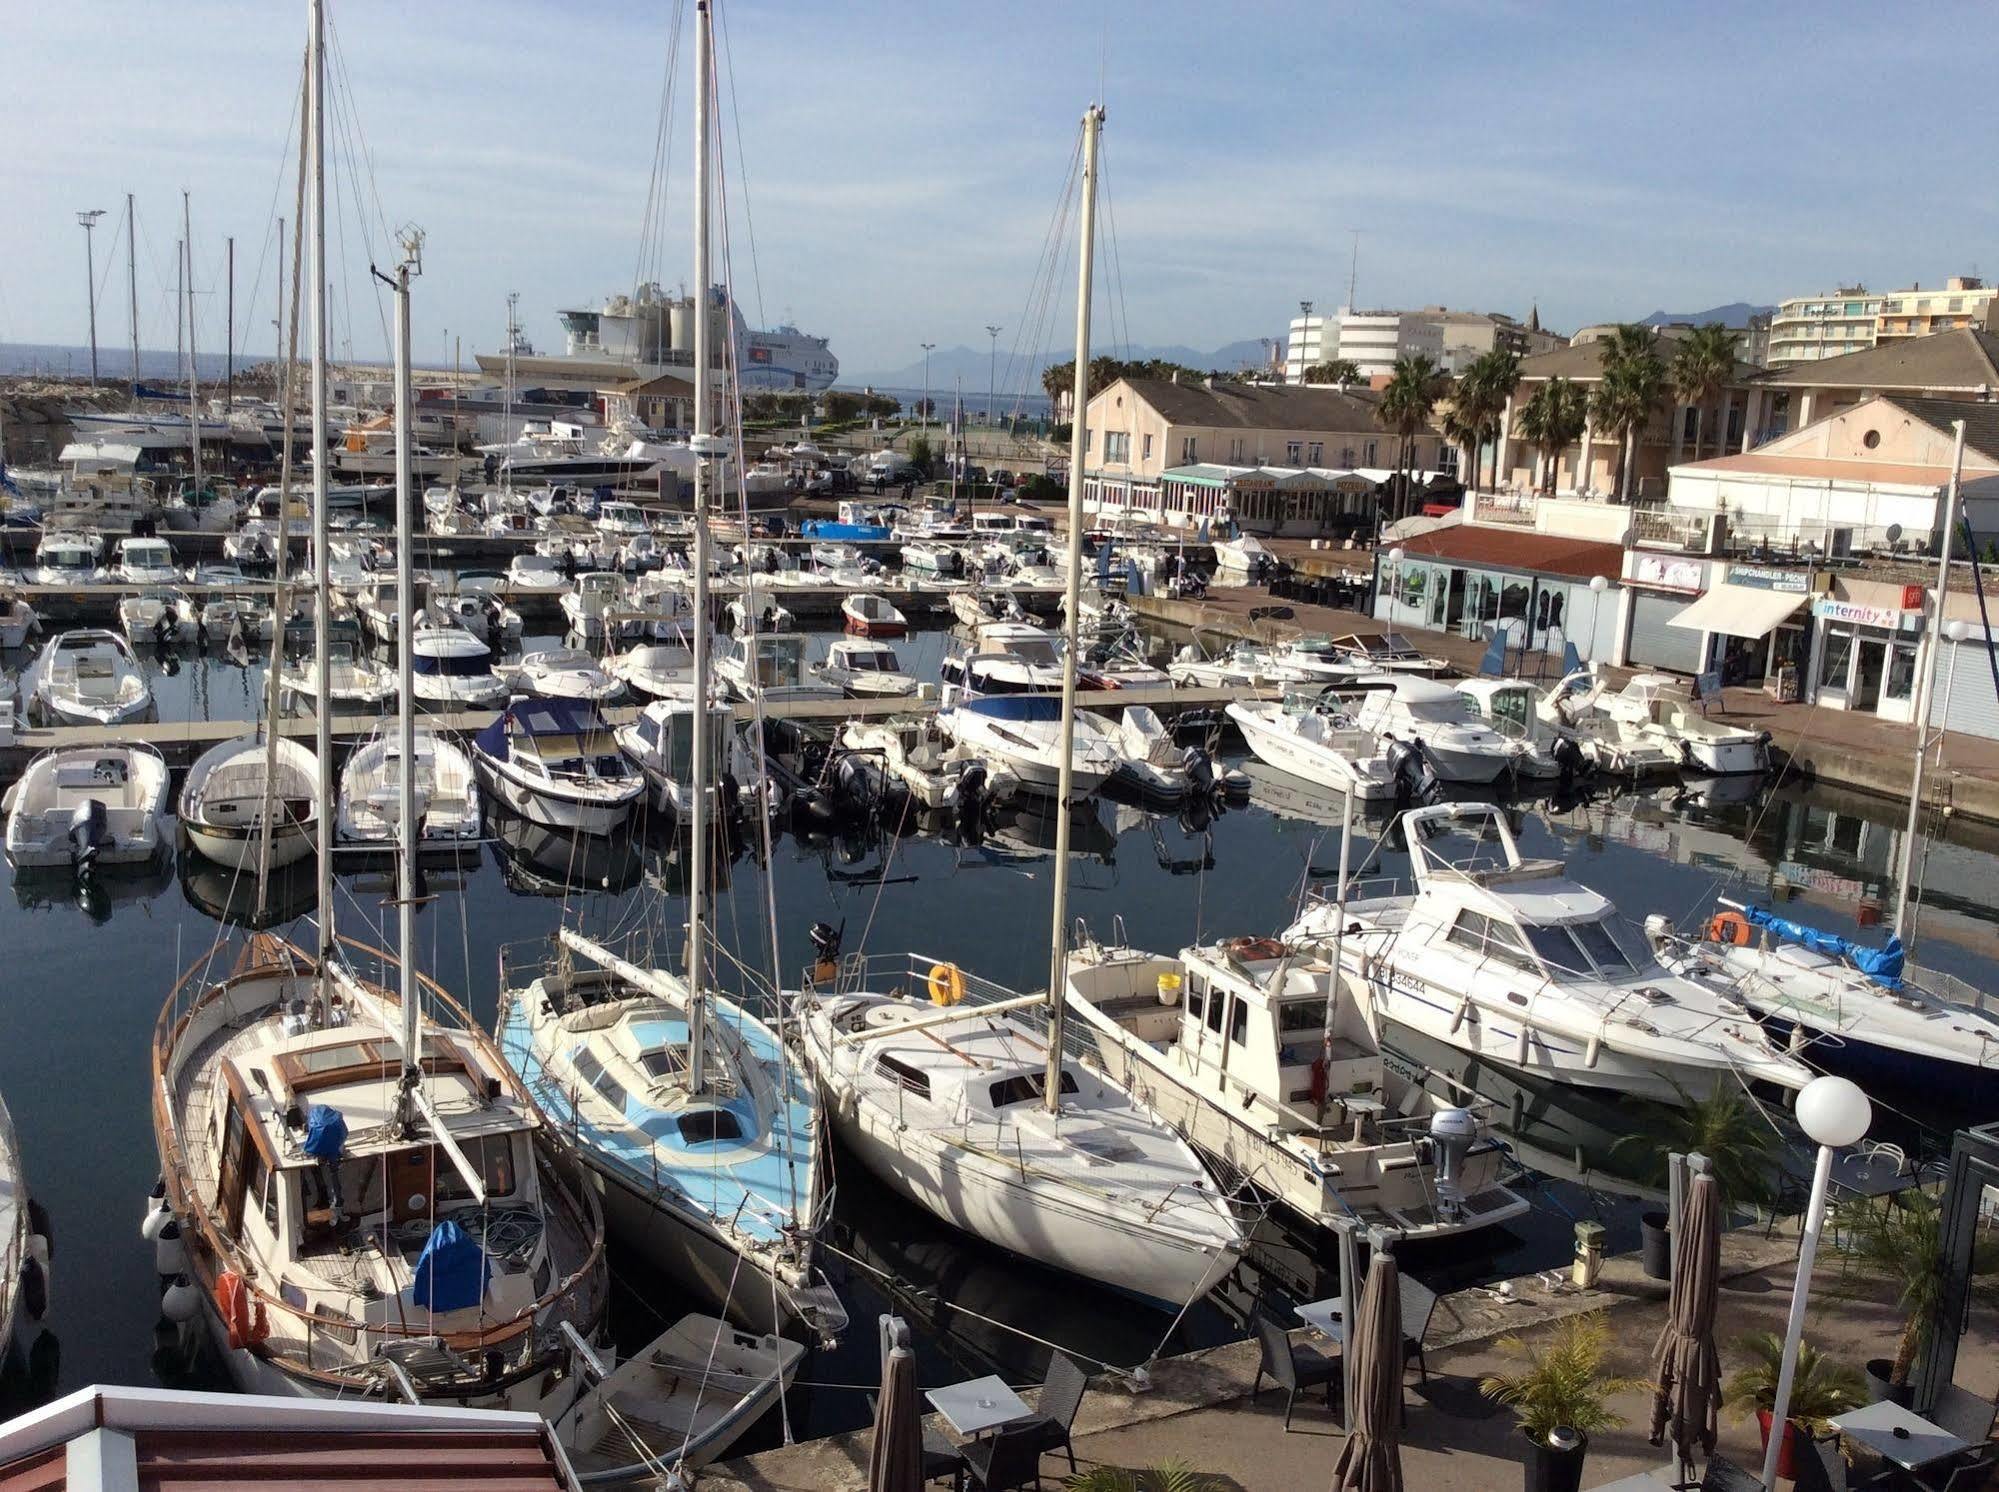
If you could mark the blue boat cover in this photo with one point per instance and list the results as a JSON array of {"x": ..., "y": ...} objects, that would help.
[
  {"x": 451, "y": 1271},
  {"x": 325, "y": 1132},
  {"x": 539, "y": 717},
  {"x": 1104, "y": 565},
  {"x": 1883, "y": 965},
  {"x": 1016, "y": 706}
]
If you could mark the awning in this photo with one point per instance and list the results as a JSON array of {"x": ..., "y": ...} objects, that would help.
[{"x": 1740, "y": 611}]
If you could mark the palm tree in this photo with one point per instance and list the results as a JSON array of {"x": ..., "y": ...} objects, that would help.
[
  {"x": 1482, "y": 391},
  {"x": 1407, "y": 401},
  {"x": 1633, "y": 385},
  {"x": 1343, "y": 371},
  {"x": 1552, "y": 420},
  {"x": 1703, "y": 363},
  {"x": 1740, "y": 1145}
]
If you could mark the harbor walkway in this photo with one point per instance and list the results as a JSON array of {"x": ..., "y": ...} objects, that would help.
[{"x": 1199, "y": 1410}]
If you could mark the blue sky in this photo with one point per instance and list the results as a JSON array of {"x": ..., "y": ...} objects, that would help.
[{"x": 903, "y": 160}]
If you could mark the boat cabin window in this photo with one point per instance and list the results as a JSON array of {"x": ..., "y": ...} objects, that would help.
[
  {"x": 1494, "y": 938},
  {"x": 1585, "y": 947},
  {"x": 1295, "y": 1017},
  {"x": 591, "y": 1071},
  {"x": 709, "y": 1127},
  {"x": 1238, "y": 1021},
  {"x": 664, "y": 1062},
  {"x": 1025, "y": 1085},
  {"x": 1196, "y": 992},
  {"x": 648, "y": 730},
  {"x": 492, "y": 1156},
  {"x": 905, "y": 1077},
  {"x": 1215, "y": 1014}
]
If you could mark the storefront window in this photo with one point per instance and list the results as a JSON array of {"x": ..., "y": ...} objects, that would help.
[
  {"x": 1901, "y": 682},
  {"x": 1836, "y": 659},
  {"x": 1440, "y": 596},
  {"x": 1513, "y": 599}
]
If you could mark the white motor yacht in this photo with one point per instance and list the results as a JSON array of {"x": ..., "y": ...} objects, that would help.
[
  {"x": 654, "y": 670},
  {"x": 593, "y": 605},
  {"x": 1456, "y": 746},
  {"x": 1314, "y": 735},
  {"x": 453, "y": 668},
  {"x": 349, "y": 678},
  {"x": 865, "y": 669},
  {"x": 945, "y": 1103},
  {"x": 1273, "y": 1068},
  {"x": 90, "y": 677},
  {"x": 447, "y": 792},
  {"x": 1159, "y": 769},
  {"x": 1008, "y": 658},
  {"x": 1508, "y": 959},
  {"x": 565, "y": 673},
  {"x": 85, "y": 806},
  {"x": 1518, "y": 710},
  {"x": 68, "y": 557},
  {"x": 768, "y": 666},
  {"x": 661, "y": 742},
  {"x": 228, "y": 789},
  {"x": 927, "y": 762},
  {"x": 145, "y": 561},
  {"x": 156, "y": 615},
  {"x": 555, "y": 761},
  {"x": 1658, "y": 710},
  {"x": 932, "y": 557},
  {"x": 1388, "y": 652},
  {"x": 1023, "y": 734}
]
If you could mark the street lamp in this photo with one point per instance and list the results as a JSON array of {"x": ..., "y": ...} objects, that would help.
[
  {"x": 89, "y": 221},
  {"x": 992, "y": 368},
  {"x": 1598, "y": 584},
  {"x": 1304, "y": 331},
  {"x": 926, "y": 383},
  {"x": 1835, "y": 1113}
]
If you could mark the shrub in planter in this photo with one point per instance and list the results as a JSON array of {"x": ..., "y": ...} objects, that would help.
[
  {"x": 1820, "y": 1389},
  {"x": 1560, "y": 1396}
]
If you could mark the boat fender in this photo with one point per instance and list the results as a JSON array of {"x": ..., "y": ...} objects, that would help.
[
  {"x": 169, "y": 1253},
  {"x": 947, "y": 984},
  {"x": 246, "y": 1318},
  {"x": 1731, "y": 928},
  {"x": 156, "y": 1219},
  {"x": 1521, "y": 1052},
  {"x": 1594, "y": 1050},
  {"x": 38, "y": 1223},
  {"x": 181, "y": 1302},
  {"x": 1464, "y": 1013},
  {"x": 34, "y": 1287}
]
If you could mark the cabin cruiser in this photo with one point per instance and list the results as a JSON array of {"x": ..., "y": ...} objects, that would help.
[
  {"x": 1008, "y": 658},
  {"x": 255, "y": 543},
  {"x": 654, "y": 670},
  {"x": 933, "y": 557},
  {"x": 1119, "y": 663},
  {"x": 864, "y": 669},
  {"x": 1023, "y": 733},
  {"x": 1656, "y": 709},
  {"x": 927, "y": 762},
  {"x": 1518, "y": 710},
  {"x": 453, "y": 668},
  {"x": 945, "y": 1103},
  {"x": 1240, "y": 560},
  {"x": 17, "y": 620},
  {"x": 1270, "y": 1064},
  {"x": 90, "y": 677},
  {"x": 477, "y": 603},
  {"x": 1508, "y": 959},
  {"x": 870, "y": 615},
  {"x": 565, "y": 673},
  {"x": 1857, "y": 1012},
  {"x": 352, "y": 680},
  {"x": 86, "y": 806},
  {"x": 757, "y": 608},
  {"x": 146, "y": 561},
  {"x": 68, "y": 557},
  {"x": 622, "y": 521},
  {"x": 157, "y": 615},
  {"x": 855, "y": 523},
  {"x": 768, "y": 666},
  {"x": 661, "y": 743},
  {"x": 1455, "y": 746},
  {"x": 985, "y": 605},
  {"x": 1388, "y": 652},
  {"x": 555, "y": 761},
  {"x": 1313, "y": 735},
  {"x": 711, "y": 1158},
  {"x": 228, "y": 790},
  {"x": 447, "y": 792},
  {"x": 593, "y": 604}
]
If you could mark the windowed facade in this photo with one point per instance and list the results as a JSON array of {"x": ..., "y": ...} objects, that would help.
[
  {"x": 1146, "y": 448},
  {"x": 1117, "y": 447},
  {"x": 1190, "y": 451},
  {"x": 1294, "y": 452}
]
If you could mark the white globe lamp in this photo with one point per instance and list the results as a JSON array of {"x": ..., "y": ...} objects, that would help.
[
  {"x": 1834, "y": 1112},
  {"x": 1599, "y": 584},
  {"x": 1957, "y": 631}
]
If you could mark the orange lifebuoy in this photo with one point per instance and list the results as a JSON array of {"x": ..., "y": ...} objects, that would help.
[
  {"x": 246, "y": 1319},
  {"x": 1729, "y": 927},
  {"x": 947, "y": 984}
]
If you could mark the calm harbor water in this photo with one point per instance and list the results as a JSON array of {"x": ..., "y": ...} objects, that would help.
[{"x": 85, "y": 983}]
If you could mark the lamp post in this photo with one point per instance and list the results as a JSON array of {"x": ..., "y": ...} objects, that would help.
[
  {"x": 926, "y": 385},
  {"x": 1598, "y": 584},
  {"x": 1835, "y": 1114},
  {"x": 992, "y": 368},
  {"x": 89, "y": 221},
  {"x": 1304, "y": 331}
]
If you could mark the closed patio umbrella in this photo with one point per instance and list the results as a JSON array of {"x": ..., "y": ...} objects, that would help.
[
  {"x": 895, "y": 1459},
  {"x": 1371, "y": 1460},
  {"x": 1685, "y": 1365}
]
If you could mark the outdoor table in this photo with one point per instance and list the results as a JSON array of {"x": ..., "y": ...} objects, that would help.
[
  {"x": 1323, "y": 1316},
  {"x": 979, "y": 1405},
  {"x": 1862, "y": 1175},
  {"x": 1638, "y": 1481},
  {"x": 1875, "y": 1427},
  {"x": 1363, "y": 1109}
]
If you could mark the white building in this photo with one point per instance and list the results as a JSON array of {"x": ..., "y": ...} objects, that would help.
[
  {"x": 1314, "y": 338},
  {"x": 1375, "y": 340}
]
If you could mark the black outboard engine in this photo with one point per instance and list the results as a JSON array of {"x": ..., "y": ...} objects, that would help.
[
  {"x": 1569, "y": 757},
  {"x": 1200, "y": 772},
  {"x": 89, "y": 832},
  {"x": 1405, "y": 767},
  {"x": 163, "y": 628},
  {"x": 826, "y": 950},
  {"x": 973, "y": 787}
]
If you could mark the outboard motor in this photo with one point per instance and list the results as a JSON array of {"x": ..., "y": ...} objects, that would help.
[
  {"x": 1452, "y": 1132},
  {"x": 1569, "y": 757},
  {"x": 1200, "y": 772},
  {"x": 973, "y": 789},
  {"x": 1406, "y": 768},
  {"x": 163, "y": 628},
  {"x": 825, "y": 950},
  {"x": 89, "y": 832}
]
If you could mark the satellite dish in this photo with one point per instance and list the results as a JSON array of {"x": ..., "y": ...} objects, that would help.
[{"x": 1894, "y": 532}]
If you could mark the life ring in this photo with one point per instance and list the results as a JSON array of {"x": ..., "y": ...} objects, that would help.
[
  {"x": 947, "y": 985},
  {"x": 247, "y": 1320},
  {"x": 1729, "y": 927}
]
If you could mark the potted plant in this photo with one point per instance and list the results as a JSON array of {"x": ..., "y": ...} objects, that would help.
[
  {"x": 1168, "y": 1476},
  {"x": 1820, "y": 1388},
  {"x": 1737, "y": 1142},
  {"x": 1560, "y": 1397}
]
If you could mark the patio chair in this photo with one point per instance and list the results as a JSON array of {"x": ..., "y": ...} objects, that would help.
[
  {"x": 1062, "y": 1388},
  {"x": 1966, "y": 1415},
  {"x": 1820, "y": 1466},
  {"x": 1291, "y": 1368},
  {"x": 1963, "y": 1473},
  {"x": 940, "y": 1457},
  {"x": 1419, "y": 1304},
  {"x": 1004, "y": 1462},
  {"x": 1723, "y": 1475}
]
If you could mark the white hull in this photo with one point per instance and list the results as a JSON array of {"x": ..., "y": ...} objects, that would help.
[
  {"x": 1728, "y": 758},
  {"x": 290, "y": 843},
  {"x": 555, "y": 811},
  {"x": 1313, "y": 761}
]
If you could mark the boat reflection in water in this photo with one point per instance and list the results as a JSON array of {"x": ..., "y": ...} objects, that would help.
[
  {"x": 98, "y": 894},
  {"x": 536, "y": 860},
  {"x": 230, "y": 896}
]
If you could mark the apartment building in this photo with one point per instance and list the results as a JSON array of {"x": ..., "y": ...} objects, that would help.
[{"x": 1811, "y": 328}]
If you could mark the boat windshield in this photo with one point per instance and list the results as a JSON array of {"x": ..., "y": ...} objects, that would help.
[
  {"x": 451, "y": 665},
  {"x": 1604, "y": 947},
  {"x": 1036, "y": 650},
  {"x": 1444, "y": 710},
  {"x": 879, "y": 660}
]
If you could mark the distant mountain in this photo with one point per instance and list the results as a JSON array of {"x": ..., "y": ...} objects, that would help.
[
  {"x": 1736, "y": 314},
  {"x": 950, "y": 364}
]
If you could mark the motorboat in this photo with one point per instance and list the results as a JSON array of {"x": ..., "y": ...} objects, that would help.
[
  {"x": 157, "y": 615},
  {"x": 870, "y": 614},
  {"x": 945, "y": 1103},
  {"x": 661, "y": 743},
  {"x": 757, "y": 609},
  {"x": 565, "y": 673},
  {"x": 1313, "y": 659},
  {"x": 1120, "y": 663},
  {"x": 769, "y": 666},
  {"x": 1388, "y": 652},
  {"x": 1271, "y": 1065},
  {"x": 257, "y": 542},
  {"x": 1023, "y": 734},
  {"x": 654, "y": 670},
  {"x": 534, "y": 572},
  {"x": 1313, "y": 735},
  {"x": 477, "y": 603},
  {"x": 1658, "y": 710},
  {"x": 145, "y": 561},
  {"x": 1509, "y": 959},
  {"x": 447, "y": 792},
  {"x": 830, "y": 554},
  {"x": 90, "y": 677},
  {"x": 593, "y": 604},
  {"x": 1235, "y": 665},
  {"x": 623, "y": 521},
  {"x": 347, "y": 678},
  {"x": 229, "y": 791},
  {"x": 87, "y": 806},
  {"x": 68, "y": 557},
  {"x": 17, "y": 621},
  {"x": 928, "y": 763},
  {"x": 1242, "y": 559},
  {"x": 977, "y": 608},
  {"x": 709, "y": 1159},
  {"x": 1008, "y": 658},
  {"x": 1858, "y": 1012},
  {"x": 932, "y": 556},
  {"x": 453, "y": 668},
  {"x": 1455, "y": 745},
  {"x": 555, "y": 761},
  {"x": 1158, "y": 769},
  {"x": 25, "y": 1284},
  {"x": 864, "y": 669},
  {"x": 1518, "y": 710}
]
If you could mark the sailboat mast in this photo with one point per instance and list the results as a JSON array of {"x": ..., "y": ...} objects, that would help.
[
  {"x": 322, "y": 610},
  {"x": 406, "y": 807},
  {"x": 193, "y": 369},
  {"x": 132, "y": 287},
  {"x": 1058, "y": 958},
  {"x": 703, "y": 440},
  {"x": 1906, "y": 870},
  {"x": 229, "y": 354}
]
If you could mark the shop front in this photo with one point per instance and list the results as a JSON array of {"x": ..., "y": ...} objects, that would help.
[
  {"x": 1865, "y": 655},
  {"x": 1475, "y": 581},
  {"x": 1662, "y": 587},
  {"x": 1755, "y": 628}
]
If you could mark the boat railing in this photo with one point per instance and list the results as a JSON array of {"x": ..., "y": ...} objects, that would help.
[
  {"x": 936, "y": 980},
  {"x": 1374, "y": 888}
]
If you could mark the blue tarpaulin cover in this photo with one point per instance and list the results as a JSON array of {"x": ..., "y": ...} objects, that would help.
[
  {"x": 1883, "y": 964},
  {"x": 451, "y": 1271},
  {"x": 325, "y": 1132}
]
